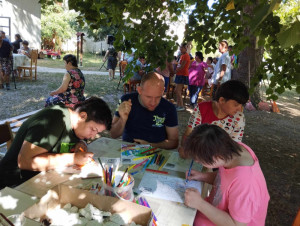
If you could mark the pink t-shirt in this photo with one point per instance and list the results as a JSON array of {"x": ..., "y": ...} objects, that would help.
[
  {"x": 233, "y": 125},
  {"x": 197, "y": 73},
  {"x": 240, "y": 191}
]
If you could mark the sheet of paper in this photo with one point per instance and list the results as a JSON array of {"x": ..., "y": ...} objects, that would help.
[
  {"x": 181, "y": 165},
  {"x": 15, "y": 202},
  {"x": 91, "y": 169},
  {"x": 181, "y": 214},
  {"x": 166, "y": 187},
  {"x": 105, "y": 147}
]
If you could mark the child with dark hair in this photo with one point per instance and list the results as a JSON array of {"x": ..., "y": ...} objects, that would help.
[
  {"x": 239, "y": 195},
  {"x": 52, "y": 138},
  {"x": 25, "y": 50},
  {"x": 225, "y": 111},
  {"x": 210, "y": 68},
  {"x": 71, "y": 90}
]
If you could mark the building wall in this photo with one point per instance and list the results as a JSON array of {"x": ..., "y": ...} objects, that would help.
[
  {"x": 89, "y": 46},
  {"x": 25, "y": 20},
  {"x": 94, "y": 47}
]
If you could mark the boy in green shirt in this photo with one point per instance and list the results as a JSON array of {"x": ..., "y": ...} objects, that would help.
[{"x": 51, "y": 139}]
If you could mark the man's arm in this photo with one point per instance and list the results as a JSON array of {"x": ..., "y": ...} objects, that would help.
[
  {"x": 117, "y": 127},
  {"x": 118, "y": 123},
  {"x": 223, "y": 69},
  {"x": 64, "y": 85},
  {"x": 172, "y": 139},
  {"x": 35, "y": 158}
]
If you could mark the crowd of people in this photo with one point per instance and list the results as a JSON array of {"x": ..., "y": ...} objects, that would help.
[{"x": 213, "y": 136}]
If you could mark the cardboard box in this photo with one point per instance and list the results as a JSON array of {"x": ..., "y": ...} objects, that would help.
[{"x": 62, "y": 194}]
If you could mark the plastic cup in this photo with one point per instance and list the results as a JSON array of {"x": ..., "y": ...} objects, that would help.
[{"x": 122, "y": 192}]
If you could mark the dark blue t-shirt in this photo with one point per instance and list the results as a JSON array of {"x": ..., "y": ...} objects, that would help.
[
  {"x": 5, "y": 49},
  {"x": 148, "y": 125}
]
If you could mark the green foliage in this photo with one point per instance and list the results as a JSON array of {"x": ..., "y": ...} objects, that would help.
[
  {"x": 99, "y": 33},
  {"x": 143, "y": 24},
  {"x": 46, "y": 3},
  {"x": 143, "y": 29},
  {"x": 249, "y": 19},
  {"x": 57, "y": 24}
]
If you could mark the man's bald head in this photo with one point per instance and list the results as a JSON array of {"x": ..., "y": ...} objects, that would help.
[
  {"x": 153, "y": 78},
  {"x": 151, "y": 90}
]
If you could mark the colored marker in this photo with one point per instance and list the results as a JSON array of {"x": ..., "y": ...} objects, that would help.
[
  {"x": 100, "y": 163},
  {"x": 189, "y": 173},
  {"x": 131, "y": 167},
  {"x": 153, "y": 152},
  {"x": 162, "y": 165},
  {"x": 137, "y": 165},
  {"x": 152, "y": 149},
  {"x": 147, "y": 204},
  {"x": 157, "y": 171},
  {"x": 123, "y": 176},
  {"x": 146, "y": 165},
  {"x": 161, "y": 160},
  {"x": 133, "y": 173},
  {"x": 148, "y": 156},
  {"x": 152, "y": 160}
]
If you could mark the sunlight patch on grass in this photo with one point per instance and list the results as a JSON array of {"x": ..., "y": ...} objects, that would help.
[{"x": 89, "y": 62}]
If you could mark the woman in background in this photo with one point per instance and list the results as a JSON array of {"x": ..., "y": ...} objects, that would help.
[
  {"x": 111, "y": 57},
  {"x": 71, "y": 90},
  {"x": 196, "y": 77},
  {"x": 17, "y": 44}
]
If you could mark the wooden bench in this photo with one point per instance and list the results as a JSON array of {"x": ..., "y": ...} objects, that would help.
[{"x": 14, "y": 123}]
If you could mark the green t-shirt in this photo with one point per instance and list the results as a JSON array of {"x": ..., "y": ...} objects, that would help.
[{"x": 50, "y": 129}]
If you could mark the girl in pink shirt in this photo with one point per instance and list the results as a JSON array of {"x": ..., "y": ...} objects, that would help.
[{"x": 239, "y": 195}]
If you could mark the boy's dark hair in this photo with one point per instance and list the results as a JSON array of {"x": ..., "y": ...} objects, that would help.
[
  {"x": 211, "y": 59},
  {"x": 71, "y": 58},
  {"x": 233, "y": 90},
  {"x": 25, "y": 43},
  {"x": 200, "y": 55},
  {"x": 18, "y": 36},
  {"x": 208, "y": 142},
  {"x": 97, "y": 110},
  {"x": 184, "y": 45}
]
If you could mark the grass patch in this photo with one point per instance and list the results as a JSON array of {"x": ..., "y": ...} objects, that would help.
[
  {"x": 89, "y": 62},
  {"x": 30, "y": 96}
]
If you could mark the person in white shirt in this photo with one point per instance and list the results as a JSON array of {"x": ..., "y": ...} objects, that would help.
[{"x": 222, "y": 72}]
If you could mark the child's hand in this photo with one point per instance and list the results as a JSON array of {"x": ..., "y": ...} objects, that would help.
[
  {"x": 80, "y": 145},
  {"x": 192, "y": 198},
  {"x": 195, "y": 175},
  {"x": 81, "y": 158}
]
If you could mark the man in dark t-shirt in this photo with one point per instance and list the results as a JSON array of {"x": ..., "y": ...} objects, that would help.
[
  {"x": 50, "y": 139},
  {"x": 145, "y": 117}
]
